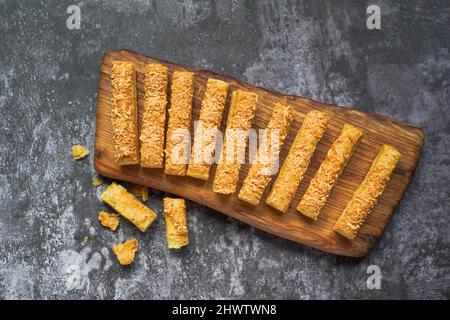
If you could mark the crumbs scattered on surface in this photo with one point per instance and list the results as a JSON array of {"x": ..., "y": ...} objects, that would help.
[
  {"x": 125, "y": 252},
  {"x": 79, "y": 152},
  {"x": 109, "y": 220},
  {"x": 97, "y": 182}
]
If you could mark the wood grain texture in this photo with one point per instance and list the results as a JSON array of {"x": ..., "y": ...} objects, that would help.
[{"x": 378, "y": 130}]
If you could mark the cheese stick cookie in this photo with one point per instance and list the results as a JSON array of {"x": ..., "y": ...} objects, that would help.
[
  {"x": 124, "y": 113},
  {"x": 180, "y": 113},
  {"x": 176, "y": 224},
  {"x": 240, "y": 119},
  {"x": 154, "y": 116},
  {"x": 128, "y": 206},
  {"x": 297, "y": 160},
  {"x": 261, "y": 171},
  {"x": 213, "y": 104},
  {"x": 329, "y": 171},
  {"x": 368, "y": 192}
]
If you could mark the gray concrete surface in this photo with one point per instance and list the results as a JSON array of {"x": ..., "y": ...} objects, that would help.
[{"x": 322, "y": 50}]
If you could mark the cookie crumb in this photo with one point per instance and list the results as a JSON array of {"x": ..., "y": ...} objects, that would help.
[
  {"x": 97, "y": 182},
  {"x": 79, "y": 152}
]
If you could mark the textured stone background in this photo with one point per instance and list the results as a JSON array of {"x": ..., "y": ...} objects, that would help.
[{"x": 322, "y": 50}]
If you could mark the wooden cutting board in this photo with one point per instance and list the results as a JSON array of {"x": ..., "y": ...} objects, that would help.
[{"x": 319, "y": 234}]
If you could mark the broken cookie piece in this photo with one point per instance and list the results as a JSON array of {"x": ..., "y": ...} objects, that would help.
[
  {"x": 139, "y": 191},
  {"x": 96, "y": 182},
  {"x": 125, "y": 252},
  {"x": 109, "y": 220},
  {"x": 79, "y": 152}
]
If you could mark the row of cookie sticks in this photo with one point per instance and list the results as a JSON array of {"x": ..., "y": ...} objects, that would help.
[{"x": 240, "y": 116}]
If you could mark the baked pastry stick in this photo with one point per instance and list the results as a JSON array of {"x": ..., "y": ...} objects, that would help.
[
  {"x": 368, "y": 192},
  {"x": 261, "y": 171},
  {"x": 240, "y": 119},
  {"x": 176, "y": 224},
  {"x": 154, "y": 116},
  {"x": 329, "y": 171},
  {"x": 128, "y": 206},
  {"x": 297, "y": 160},
  {"x": 124, "y": 113},
  {"x": 213, "y": 104},
  {"x": 180, "y": 114}
]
